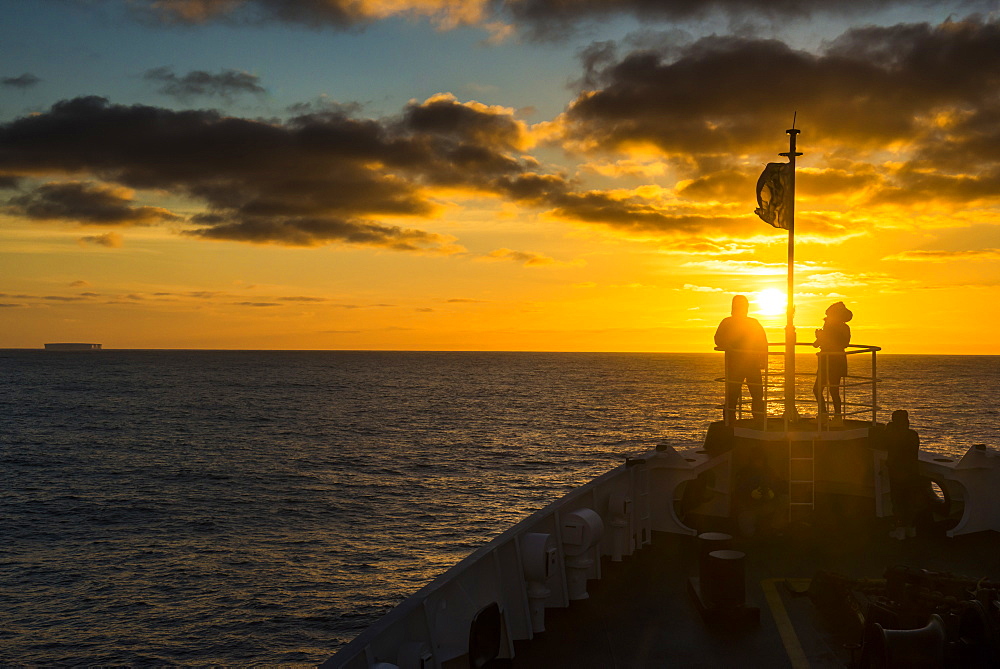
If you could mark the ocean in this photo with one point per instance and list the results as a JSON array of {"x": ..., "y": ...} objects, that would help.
[{"x": 238, "y": 507}]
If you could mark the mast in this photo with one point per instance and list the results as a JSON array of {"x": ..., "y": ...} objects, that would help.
[{"x": 791, "y": 414}]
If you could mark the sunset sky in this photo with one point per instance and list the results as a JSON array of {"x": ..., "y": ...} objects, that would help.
[{"x": 569, "y": 175}]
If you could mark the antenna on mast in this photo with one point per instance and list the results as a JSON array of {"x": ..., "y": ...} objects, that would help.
[
  {"x": 791, "y": 413},
  {"x": 778, "y": 209}
]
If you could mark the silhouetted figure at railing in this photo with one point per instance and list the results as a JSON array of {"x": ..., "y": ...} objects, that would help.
[
  {"x": 902, "y": 445},
  {"x": 831, "y": 364},
  {"x": 745, "y": 343}
]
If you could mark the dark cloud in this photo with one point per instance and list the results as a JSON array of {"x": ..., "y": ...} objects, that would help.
[
  {"x": 26, "y": 80},
  {"x": 85, "y": 203},
  {"x": 556, "y": 17},
  {"x": 721, "y": 97},
  {"x": 540, "y": 17},
  {"x": 336, "y": 13},
  {"x": 111, "y": 240},
  {"x": 957, "y": 161},
  {"x": 323, "y": 104},
  {"x": 732, "y": 184},
  {"x": 912, "y": 183},
  {"x": 318, "y": 178},
  {"x": 198, "y": 83},
  {"x": 721, "y": 93},
  {"x": 964, "y": 137},
  {"x": 63, "y": 298},
  {"x": 636, "y": 215},
  {"x": 441, "y": 116},
  {"x": 318, "y": 231},
  {"x": 328, "y": 176},
  {"x": 526, "y": 258},
  {"x": 9, "y": 182},
  {"x": 831, "y": 182},
  {"x": 956, "y": 66},
  {"x": 932, "y": 89},
  {"x": 723, "y": 185}
]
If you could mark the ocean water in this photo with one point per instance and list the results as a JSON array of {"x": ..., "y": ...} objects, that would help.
[{"x": 227, "y": 507}]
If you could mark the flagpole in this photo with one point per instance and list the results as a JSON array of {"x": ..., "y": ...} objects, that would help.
[{"x": 791, "y": 413}]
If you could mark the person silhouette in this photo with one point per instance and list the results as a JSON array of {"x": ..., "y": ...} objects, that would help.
[
  {"x": 745, "y": 343},
  {"x": 902, "y": 445},
  {"x": 831, "y": 365}
]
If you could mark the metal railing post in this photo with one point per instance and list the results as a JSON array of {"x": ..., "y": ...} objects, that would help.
[
  {"x": 874, "y": 390},
  {"x": 766, "y": 379}
]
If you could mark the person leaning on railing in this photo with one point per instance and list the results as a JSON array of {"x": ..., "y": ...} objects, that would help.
[
  {"x": 745, "y": 343},
  {"x": 832, "y": 339}
]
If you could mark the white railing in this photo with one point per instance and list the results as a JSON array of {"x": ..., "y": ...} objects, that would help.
[
  {"x": 431, "y": 628},
  {"x": 858, "y": 389}
]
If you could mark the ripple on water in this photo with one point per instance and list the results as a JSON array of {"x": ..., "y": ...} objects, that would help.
[{"x": 264, "y": 508}]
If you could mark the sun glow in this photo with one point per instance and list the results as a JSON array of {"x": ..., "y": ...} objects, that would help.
[{"x": 770, "y": 302}]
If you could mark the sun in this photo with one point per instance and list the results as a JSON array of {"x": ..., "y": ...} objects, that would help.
[{"x": 770, "y": 302}]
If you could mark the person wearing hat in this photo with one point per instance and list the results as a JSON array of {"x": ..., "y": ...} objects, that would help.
[{"x": 831, "y": 366}]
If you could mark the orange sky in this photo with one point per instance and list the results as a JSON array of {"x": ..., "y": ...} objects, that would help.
[{"x": 623, "y": 222}]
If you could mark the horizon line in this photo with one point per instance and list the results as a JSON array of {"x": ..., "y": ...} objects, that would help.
[{"x": 393, "y": 350}]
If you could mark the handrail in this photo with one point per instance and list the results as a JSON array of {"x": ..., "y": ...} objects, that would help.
[{"x": 772, "y": 379}]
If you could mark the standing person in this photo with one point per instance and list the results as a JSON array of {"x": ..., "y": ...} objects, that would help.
[
  {"x": 902, "y": 445},
  {"x": 831, "y": 365},
  {"x": 745, "y": 343}
]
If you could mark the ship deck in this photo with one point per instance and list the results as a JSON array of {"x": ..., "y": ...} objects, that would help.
[{"x": 642, "y": 614}]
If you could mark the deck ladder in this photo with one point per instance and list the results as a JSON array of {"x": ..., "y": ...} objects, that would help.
[{"x": 801, "y": 479}]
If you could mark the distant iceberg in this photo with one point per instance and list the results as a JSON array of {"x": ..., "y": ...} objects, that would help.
[{"x": 72, "y": 347}]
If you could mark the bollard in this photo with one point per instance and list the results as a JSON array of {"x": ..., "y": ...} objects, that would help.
[
  {"x": 708, "y": 542},
  {"x": 723, "y": 583},
  {"x": 719, "y": 591}
]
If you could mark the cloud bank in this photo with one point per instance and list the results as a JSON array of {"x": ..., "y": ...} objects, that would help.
[
  {"x": 903, "y": 116},
  {"x": 927, "y": 93},
  {"x": 541, "y": 18}
]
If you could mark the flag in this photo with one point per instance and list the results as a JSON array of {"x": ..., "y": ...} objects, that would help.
[{"x": 774, "y": 194}]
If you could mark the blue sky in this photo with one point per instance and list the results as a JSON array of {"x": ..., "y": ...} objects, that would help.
[
  {"x": 77, "y": 49},
  {"x": 103, "y": 47}
]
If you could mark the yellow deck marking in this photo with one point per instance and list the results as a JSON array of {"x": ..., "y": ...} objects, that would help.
[{"x": 785, "y": 628}]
